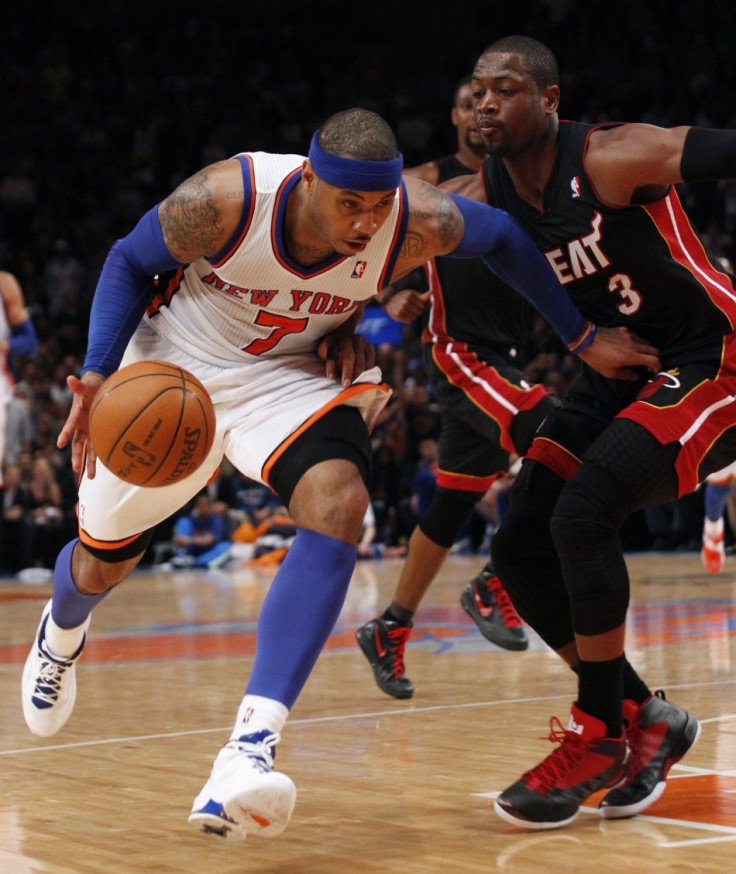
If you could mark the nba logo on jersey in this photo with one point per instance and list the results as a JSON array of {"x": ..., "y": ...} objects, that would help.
[
  {"x": 575, "y": 186},
  {"x": 359, "y": 269}
]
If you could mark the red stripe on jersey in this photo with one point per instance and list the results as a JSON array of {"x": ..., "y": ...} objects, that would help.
[
  {"x": 499, "y": 399},
  {"x": 249, "y": 192},
  {"x": 687, "y": 250},
  {"x": 555, "y": 457},
  {"x": 464, "y": 482},
  {"x": 436, "y": 327}
]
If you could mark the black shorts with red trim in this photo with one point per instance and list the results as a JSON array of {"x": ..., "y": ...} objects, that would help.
[
  {"x": 488, "y": 411},
  {"x": 691, "y": 408}
]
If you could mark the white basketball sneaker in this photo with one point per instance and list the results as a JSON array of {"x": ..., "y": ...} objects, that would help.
[
  {"x": 244, "y": 794},
  {"x": 49, "y": 686}
]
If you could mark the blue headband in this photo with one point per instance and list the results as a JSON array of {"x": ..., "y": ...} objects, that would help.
[{"x": 355, "y": 173}]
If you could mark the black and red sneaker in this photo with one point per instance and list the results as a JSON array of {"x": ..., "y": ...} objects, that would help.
[
  {"x": 487, "y": 603},
  {"x": 550, "y": 795},
  {"x": 659, "y": 734},
  {"x": 383, "y": 642}
]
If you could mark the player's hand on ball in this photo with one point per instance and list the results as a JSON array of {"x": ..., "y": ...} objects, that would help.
[{"x": 76, "y": 427}]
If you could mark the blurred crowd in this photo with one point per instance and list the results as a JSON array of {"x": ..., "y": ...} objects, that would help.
[{"x": 104, "y": 113}]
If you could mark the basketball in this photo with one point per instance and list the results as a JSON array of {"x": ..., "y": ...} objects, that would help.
[{"x": 152, "y": 423}]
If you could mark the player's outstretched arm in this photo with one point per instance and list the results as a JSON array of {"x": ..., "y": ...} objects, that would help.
[
  {"x": 508, "y": 251},
  {"x": 638, "y": 162}
]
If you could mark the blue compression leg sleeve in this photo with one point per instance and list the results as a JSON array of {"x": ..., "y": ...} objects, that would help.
[
  {"x": 715, "y": 500},
  {"x": 69, "y": 606},
  {"x": 299, "y": 613}
]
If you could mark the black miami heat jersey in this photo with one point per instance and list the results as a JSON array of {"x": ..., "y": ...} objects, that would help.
[
  {"x": 642, "y": 266},
  {"x": 469, "y": 303}
]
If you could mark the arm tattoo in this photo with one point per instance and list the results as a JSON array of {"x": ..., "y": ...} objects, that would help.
[
  {"x": 190, "y": 220},
  {"x": 440, "y": 214},
  {"x": 413, "y": 246},
  {"x": 449, "y": 226}
]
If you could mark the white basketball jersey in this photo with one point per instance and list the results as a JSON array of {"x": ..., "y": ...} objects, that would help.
[{"x": 252, "y": 298}]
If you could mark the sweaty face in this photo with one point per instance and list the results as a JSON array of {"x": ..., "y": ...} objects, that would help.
[
  {"x": 348, "y": 219},
  {"x": 510, "y": 111},
  {"x": 463, "y": 117}
]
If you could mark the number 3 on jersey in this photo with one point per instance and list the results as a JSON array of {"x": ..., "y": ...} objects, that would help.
[
  {"x": 282, "y": 325},
  {"x": 630, "y": 298}
]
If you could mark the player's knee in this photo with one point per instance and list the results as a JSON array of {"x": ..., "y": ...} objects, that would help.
[
  {"x": 331, "y": 498},
  {"x": 447, "y": 514},
  {"x": 594, "y": 497},
  {"x": 584, "y": 528}
]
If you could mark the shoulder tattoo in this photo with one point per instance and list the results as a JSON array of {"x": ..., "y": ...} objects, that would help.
[
  {"x": 438, "y": 215},
  {"x": 190, "y": 219}
]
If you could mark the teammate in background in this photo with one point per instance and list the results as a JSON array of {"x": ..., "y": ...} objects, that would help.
[
  {"x": 717, "y": 489},
  {"x": 265, "y": 262},
  {"x": 472, "y": 349},
  {"x": 600, "y": 203},
  {"x": 17, "y": 337}
]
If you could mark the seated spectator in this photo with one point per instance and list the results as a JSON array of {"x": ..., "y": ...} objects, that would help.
[
  {"x": 200, "y": 537},
  {"x": 45, "y": 513},
  {"x": 15, "y": 531}
]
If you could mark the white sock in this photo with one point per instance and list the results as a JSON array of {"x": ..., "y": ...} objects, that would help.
[
  {"x": 712, "y": 529},
  {"x": 63, "y": 642},
  {"x": 256, "y": 713}
]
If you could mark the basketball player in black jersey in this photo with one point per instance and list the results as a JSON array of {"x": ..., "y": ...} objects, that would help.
[
  {"x": 600, "y": 203},
  {"x": 472, "y": 354}
]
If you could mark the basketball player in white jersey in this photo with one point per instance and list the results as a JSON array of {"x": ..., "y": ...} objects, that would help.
[
  {"x": 17, "y": 337},
  {"x": 273, "y": 259}
]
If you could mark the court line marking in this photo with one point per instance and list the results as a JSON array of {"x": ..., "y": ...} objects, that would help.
[{"x": 314, "y": 720}]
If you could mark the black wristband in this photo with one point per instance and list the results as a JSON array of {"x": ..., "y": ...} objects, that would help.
[{"x": 708, "y": 155}]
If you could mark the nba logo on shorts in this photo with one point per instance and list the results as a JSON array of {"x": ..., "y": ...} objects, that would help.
[
  {"x": 359, "y": 269},
  {"x": 575, "y": 186}
]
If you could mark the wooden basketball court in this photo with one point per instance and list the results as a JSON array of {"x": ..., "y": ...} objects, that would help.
[{"x": 384, "y": 785}]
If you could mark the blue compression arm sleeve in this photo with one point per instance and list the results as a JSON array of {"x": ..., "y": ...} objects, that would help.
[
  {"x": 507, "y": 250},
  {"x": 23, "y": 340},
  {"x": 123, "y": 292}
]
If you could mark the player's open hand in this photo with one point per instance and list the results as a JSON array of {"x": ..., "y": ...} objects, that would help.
[
  {"x": 76, "y": 427},
  {"x": 618, "y": 352},
  {"x": 346, "y": 355}
]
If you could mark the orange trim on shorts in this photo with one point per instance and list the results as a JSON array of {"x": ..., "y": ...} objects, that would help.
[
  {"x": 465, "y": 482},
  {"x": 555, "y": 457},
  {"x": 107, "y": 544},
  {"x": 337, "y": 401}
]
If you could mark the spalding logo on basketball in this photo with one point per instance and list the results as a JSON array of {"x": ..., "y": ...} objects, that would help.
[{"x": 152, "y": 423}]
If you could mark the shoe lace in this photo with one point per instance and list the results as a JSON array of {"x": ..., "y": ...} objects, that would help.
[
  {"x": 49, "y": 679},
  {"x": 547, "y": 774},
  {"x": 495, "y": 589},
  {"x": 259, "y": 747},
  {"x": 397, "y": 638}
]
